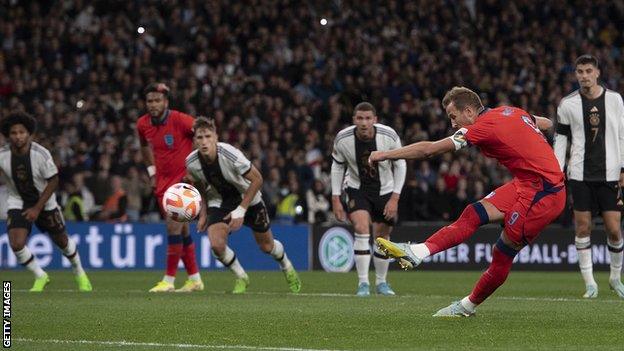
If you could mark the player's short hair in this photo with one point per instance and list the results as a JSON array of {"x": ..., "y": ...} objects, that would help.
[
  {"x": 157, "y": 88},
  {"x": 586, "y": 59},
  {"x": 364, "y": 106},
  {"x": 18, "y": 117},
  {"x": 462, "y": 97},
  {"x": 204, "y": 123}
]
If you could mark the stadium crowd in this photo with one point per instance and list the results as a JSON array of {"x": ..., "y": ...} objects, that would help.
[{"x": 280, "y": 85}]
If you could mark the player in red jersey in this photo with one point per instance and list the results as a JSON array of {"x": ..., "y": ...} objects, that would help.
[
  {"x": 166, "y": 139},
  {"x": 528, "y": 203}
]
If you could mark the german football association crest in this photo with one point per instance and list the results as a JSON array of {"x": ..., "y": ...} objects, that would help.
[
  {"x": 594, "y": 119},
  {"x": 336, "y": 250},
  {"x": 594, "y": 116}
]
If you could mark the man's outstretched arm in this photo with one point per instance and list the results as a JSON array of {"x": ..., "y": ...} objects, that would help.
[{"x": 418, "y": 151}]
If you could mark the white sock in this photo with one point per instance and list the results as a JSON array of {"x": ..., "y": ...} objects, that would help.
[
  {"x": 468, "y": 305},
  {"x": 229, "y": 260},
  {"x": 280, "y": 256},
  {"x": 361, "y": 249},
  {"x": 28, "y": 260},
  {"x": 381, "y": 266},
  {"x": 71, "y": 252},
  {"x": 583, "y": 249},
  {"x": 615, "y": 251},
  {"x": 169, "y": 279},
  {"x": 195, "y": 277},
  {"x": 420, "y": 250}
]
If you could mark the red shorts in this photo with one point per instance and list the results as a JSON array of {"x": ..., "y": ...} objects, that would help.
[{"x": 528, "y": 207}]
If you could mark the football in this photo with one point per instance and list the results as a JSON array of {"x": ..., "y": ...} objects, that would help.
[{"x": 182, "y": 202}]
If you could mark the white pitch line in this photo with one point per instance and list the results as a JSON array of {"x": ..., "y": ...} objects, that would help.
[
  {"x": 516, "y": 298},
  {"x": 155, "y": 344},
  {"x": 217, "y": 292}
]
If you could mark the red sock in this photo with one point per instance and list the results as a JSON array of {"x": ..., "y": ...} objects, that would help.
[
  {"x": 188, "y": 256},
  {"x": 495, "y": 275},
  {"x": 174, "y": 253},
  {"x": 473, "y": 217}
]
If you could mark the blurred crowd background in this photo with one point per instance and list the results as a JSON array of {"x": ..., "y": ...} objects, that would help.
[{"x": 281, "y": 85}]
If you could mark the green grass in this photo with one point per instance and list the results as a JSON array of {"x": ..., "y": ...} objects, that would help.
[{"x": 532, "y": 311}]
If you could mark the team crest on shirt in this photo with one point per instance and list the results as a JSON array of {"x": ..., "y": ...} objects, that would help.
[
  {"x": 21, "y": 174},
  {"x": 169, "y": 140},
  {"x": 507, "y": 111},
  {"x": 594, "y": 116},
  {"x": 594, "y": 120}
]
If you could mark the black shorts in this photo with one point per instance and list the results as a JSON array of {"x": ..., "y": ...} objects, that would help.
[
  {"x": 256, "y": 217},
  {"x": 51, "y": 222},
  {"x": 373, "y": 204},
  {"x": 595, "y": 196}
]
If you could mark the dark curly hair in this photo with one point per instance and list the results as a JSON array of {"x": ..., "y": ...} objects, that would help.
[
  {"x": 14, "y": 118},
  {"x": 157, "y": 88}
]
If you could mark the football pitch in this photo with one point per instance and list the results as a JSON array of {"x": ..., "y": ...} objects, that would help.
[{"x": 532, "y": 311}]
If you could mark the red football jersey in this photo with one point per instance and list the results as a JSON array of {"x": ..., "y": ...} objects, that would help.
[
  {"x": 510, "y": 135},
  {"x": 171, "y": 142}
]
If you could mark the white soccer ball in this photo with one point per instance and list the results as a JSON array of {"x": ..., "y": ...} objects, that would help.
[{"x": 182, "y": 202}]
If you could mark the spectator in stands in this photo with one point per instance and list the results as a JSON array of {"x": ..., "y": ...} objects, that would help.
[
  {"x": 317, "y": 203},
  {"x": 426, "y": 174},
  {"x": 74, "y": 209},
  {"x": 289, "y": 208},
  {"x": 271, "y": 190},
  {"x": 85, "y": 194},
  {"x": 138, "y": 187},
  {"x": 115, "y": 206},
  {"x": 440, "y": 203}
]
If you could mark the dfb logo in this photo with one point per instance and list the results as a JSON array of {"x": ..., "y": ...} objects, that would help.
[{"x": 336, "y": 250}]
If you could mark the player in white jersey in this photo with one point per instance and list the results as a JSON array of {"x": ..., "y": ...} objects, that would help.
[
  {"x": 230, "y": 187},
  {"x": 32, "y": 177},
  {"x": 593, "y": 118},
  {"x": 372, "y": 192}
]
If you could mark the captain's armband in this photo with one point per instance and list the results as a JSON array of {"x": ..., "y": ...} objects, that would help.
[{"x": 459, "y": 138}]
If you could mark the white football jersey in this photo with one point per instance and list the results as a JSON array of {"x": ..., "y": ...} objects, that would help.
[
  {"x": 596, "y": 131},
  {"x": 388, "y": 176},
  {"x": 42, "y": 168},
  {"x": 223, "y": 181}
]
